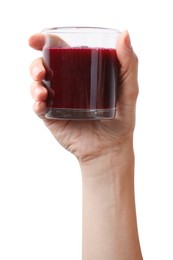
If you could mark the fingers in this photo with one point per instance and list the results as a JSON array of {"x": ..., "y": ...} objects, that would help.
[
  {"x": 39, "y": 40},
  {"x": 128, "y": 85},
  {"x": 40, "y": 109},
  {"x": 37, "y": 70},
  {"x": 39, "y": 93}
]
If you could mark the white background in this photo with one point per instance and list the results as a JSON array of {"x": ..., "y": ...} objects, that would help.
[{"x": 40, "y": 184}]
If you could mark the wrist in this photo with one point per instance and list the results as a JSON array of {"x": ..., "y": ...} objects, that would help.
[
  {"x": 114, "y": 161},
  {"x": 111, "y": 175}
]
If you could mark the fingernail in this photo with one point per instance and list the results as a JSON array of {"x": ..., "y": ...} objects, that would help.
[
  {"x": 128, "y": 41},
  {"x": 36, "y": 71}
]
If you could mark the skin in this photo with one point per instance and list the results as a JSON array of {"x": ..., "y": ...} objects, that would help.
[{"x": 105, "y": 153}]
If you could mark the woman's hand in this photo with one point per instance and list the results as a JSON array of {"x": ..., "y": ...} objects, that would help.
[{"x": 92, "y": 139}]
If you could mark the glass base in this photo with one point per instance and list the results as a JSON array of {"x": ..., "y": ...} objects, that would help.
[{"x": 80, "y": 114}]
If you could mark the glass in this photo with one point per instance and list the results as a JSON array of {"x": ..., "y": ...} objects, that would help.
[{"x": 82, "y": 71}]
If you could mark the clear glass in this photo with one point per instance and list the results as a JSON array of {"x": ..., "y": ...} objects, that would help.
[{"x": 82, "y": 71}]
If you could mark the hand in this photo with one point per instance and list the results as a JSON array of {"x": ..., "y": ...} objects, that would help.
[
  {"x": 105, "y": 153},
  {"x": 91, "y": 139}
]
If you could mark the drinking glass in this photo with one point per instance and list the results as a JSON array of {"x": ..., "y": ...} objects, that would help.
[{"x": 82, "y": 72}]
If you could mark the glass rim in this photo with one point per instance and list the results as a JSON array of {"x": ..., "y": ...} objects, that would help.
[{"x": 80, "y": 29}]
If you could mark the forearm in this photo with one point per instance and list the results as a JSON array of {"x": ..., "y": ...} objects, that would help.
[{"x": 109, "y": 215}]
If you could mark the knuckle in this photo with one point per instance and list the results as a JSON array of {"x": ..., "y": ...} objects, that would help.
[
  {"x": 136, "y": 60},
  {"x": 37, "y": 70},
  {"x": 134, "y": 92}
]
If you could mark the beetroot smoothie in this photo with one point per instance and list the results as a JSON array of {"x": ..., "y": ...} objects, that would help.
[{"x": 83, "y": 81}]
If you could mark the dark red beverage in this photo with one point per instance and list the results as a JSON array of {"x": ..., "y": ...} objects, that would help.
[{"x": 83, "y": 82}]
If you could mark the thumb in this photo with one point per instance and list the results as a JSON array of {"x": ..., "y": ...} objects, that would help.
[{"x": 128, "y": 84}]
